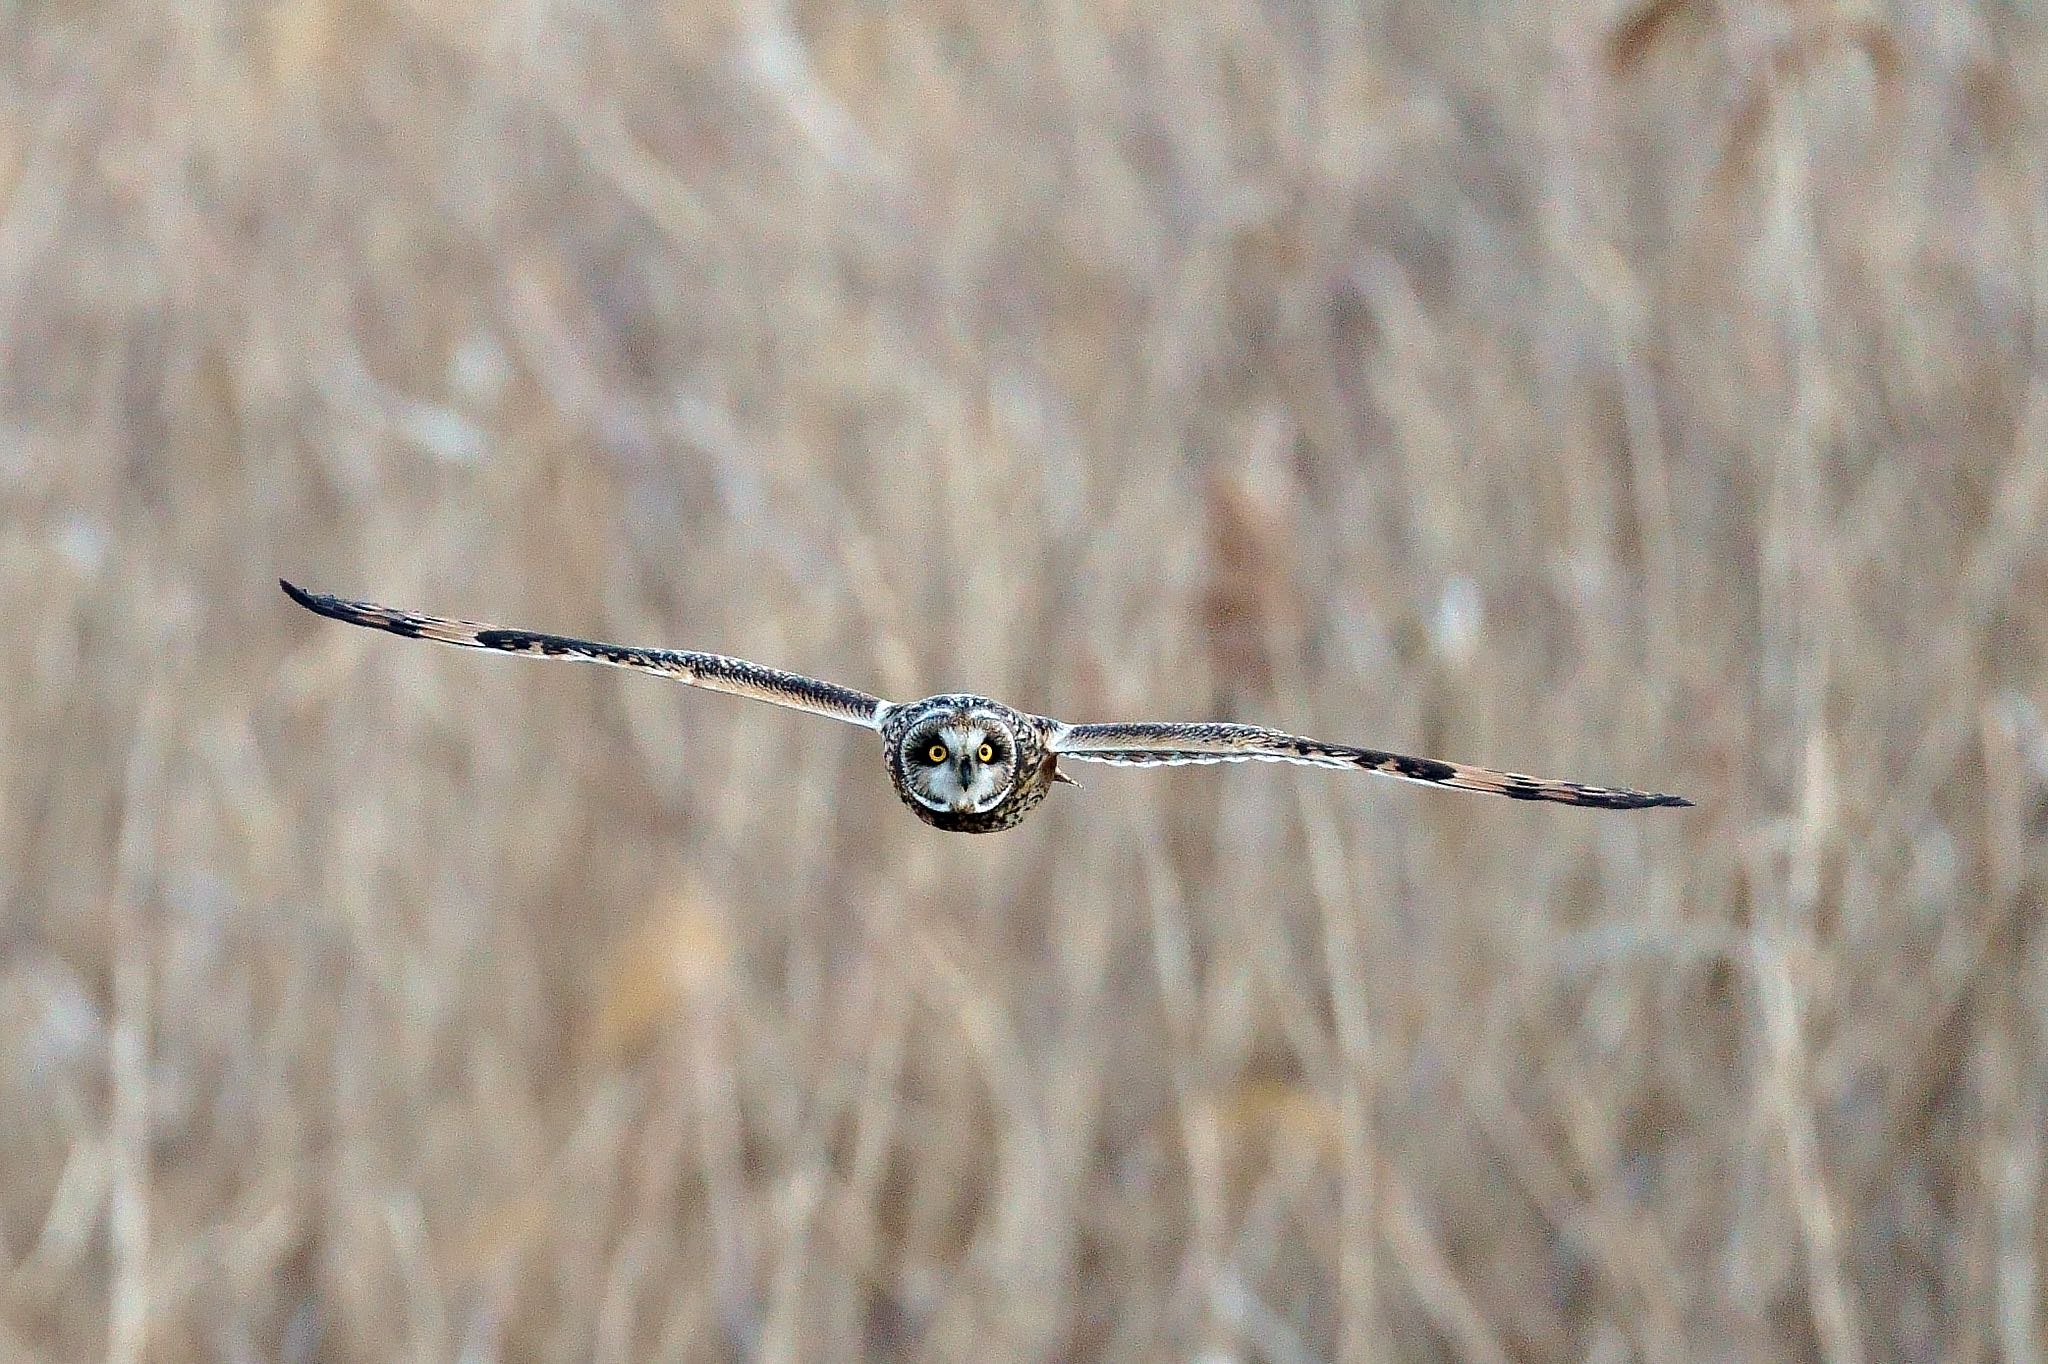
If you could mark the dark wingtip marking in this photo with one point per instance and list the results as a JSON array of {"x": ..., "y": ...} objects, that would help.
[
  {"x": 1645, "y": 800},
  {"x": 355, "y": 613},
  {"x": 315, "y": 602}
]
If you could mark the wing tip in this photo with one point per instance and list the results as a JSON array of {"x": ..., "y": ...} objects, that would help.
[
  {"x": 319, "y": 603},
  {"x": 310, "y": 600},
  {"x": 1656, "y": 800}
]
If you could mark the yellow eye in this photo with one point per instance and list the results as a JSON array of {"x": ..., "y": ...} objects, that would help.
[
  {"x": 987, "y": 754},
  {"x": 937, "y": 753}
]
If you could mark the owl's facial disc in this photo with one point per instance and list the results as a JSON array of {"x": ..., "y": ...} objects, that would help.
[{"x": 961, "y": 763}]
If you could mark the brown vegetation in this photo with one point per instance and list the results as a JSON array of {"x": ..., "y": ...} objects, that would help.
[{"x": 1652, "y": 399}]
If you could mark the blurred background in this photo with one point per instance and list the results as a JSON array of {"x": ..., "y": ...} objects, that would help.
[{"x": 1645, "y": 394}]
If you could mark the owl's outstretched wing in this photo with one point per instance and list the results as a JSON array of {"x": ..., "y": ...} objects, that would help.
[
  {"x": 713, "y": 672},
  {"x": 1167, "y": 745}
]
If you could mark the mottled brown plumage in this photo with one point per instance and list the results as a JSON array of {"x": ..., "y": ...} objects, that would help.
[{"x": 968, "y": 764}]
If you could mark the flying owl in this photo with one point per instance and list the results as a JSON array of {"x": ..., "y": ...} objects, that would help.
[{"x": 967, "y": 764}]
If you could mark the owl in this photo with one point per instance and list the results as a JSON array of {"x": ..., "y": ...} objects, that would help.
[{"x": 964, "y": 763}]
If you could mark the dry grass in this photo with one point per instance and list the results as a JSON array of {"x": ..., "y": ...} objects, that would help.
[{"x": 1652, "y": 396}]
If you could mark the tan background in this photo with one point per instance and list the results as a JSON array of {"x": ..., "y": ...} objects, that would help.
[{"x": 1647, "y": 396}]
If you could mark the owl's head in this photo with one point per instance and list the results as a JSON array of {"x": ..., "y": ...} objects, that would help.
[{"x": 959, "y": 761}]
